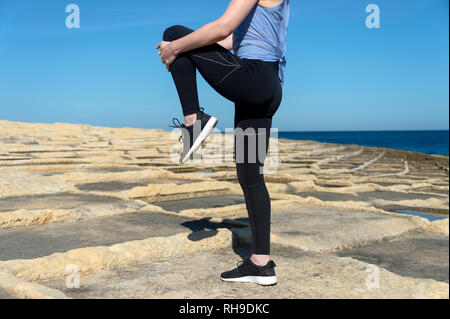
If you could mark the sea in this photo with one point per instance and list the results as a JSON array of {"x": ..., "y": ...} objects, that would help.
[{"x": 428, "y": 142}]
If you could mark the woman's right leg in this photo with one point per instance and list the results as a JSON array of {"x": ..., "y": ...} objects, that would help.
[
  {"x": 238, "y": 80},
  {"x": 217, "y": 66},
  {"x": 184, "y": 73},
  {"x": 215, "y": 63}
]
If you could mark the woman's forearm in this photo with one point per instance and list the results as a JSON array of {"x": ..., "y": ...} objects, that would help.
[{"x": 208, "y": 34}]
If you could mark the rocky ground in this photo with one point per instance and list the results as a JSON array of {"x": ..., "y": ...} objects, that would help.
[{"x": 348, "y": 221}]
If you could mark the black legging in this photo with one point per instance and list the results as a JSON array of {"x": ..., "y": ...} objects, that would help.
[{"x": 255, "y": 89}]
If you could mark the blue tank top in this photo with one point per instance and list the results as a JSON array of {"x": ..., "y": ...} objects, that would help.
[{"x": 262, "y": 35}]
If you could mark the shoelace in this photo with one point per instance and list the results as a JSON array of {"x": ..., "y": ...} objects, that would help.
[
  {"x": 240, "y": 263},
  {"x": 176, "y": 123}
]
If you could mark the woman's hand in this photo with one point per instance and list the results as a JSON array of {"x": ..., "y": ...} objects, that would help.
[{"x": 167, "y": 53}]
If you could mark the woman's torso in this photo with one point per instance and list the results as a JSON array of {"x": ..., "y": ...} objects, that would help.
[{"x": 262, "y": 35}]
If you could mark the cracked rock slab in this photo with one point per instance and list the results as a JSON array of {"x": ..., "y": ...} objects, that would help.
[
  {"x": 94, "y": 259},
  {"x": 44, "y": 240},
  {"x": 201, "y": 203},
  {"x": 5, "y": 295},
  {"x": 12, "y": 287},
  {"x": 19, "y": 183},
  {"x": 116, "y": 186},
  {"x": 420, "y": 255},
  {"x": 87, "y": 187},
  {"x": 50, "y": 208},
  {"x": 326, "y": 229},
  {"x": 300, "y": 274}
]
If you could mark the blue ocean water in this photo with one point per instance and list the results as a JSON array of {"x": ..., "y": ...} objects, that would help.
[
  {"x": 431, "y": 218},
  {"x": 428, "y": 142}
]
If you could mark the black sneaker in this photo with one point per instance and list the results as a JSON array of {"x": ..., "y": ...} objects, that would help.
[
  {"x": 247, "y": 271},
  {"x": 194, "y": 135}
]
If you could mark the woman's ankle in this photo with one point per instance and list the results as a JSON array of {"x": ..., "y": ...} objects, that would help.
[
  {"x": 260, "y": 260},
  {"x": 190, "y": 119}
]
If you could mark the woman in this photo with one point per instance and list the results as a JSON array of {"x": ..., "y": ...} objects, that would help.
[{"x": 252, "y": 78}]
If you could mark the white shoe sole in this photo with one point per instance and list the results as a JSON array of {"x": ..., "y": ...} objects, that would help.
[
  {"x": 260, "y": 280},
  {"x": 203, "y": 135}
]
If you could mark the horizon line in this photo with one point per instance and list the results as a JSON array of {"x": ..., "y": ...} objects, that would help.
[{"x": 284, "y": 131}]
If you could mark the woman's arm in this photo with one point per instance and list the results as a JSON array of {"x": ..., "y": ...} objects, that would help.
[
  {"x": 227, "y": 43},
  {"x": 210, "y": 33},
  {"x": 217, "y": 30}
]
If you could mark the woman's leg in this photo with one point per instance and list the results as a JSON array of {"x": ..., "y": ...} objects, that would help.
[
  {"x": 251, "y": 144},
  {"x": 215, "y": 63},
  {"x": 245, "y": 81},
  {"x": 250, "y": 172},
  {"x": 248, "y": 82},
  {"x": 184, "y": 73}
]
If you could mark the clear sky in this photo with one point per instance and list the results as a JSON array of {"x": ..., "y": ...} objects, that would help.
[{"x": 340, "y": 75}]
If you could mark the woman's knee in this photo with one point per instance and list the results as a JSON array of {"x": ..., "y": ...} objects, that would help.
[{"x": 175, "y": 32}]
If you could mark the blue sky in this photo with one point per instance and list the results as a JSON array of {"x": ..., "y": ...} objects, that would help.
[{"x": 340, "y": 75}]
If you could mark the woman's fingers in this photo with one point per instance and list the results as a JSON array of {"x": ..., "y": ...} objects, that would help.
[{"x": 166, "y": 57}]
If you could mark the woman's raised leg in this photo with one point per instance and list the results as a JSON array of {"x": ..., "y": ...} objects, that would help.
[
  {"x": 184, "y": 73},
  {"x": 216, "y": 64}
]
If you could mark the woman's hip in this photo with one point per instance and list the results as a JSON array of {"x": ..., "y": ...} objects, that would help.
[{"x": 255, "y": 82}]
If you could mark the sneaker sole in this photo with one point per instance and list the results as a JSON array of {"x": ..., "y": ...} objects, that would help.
[
  {"x": 212, "y": 122},
  {"x": 260, "y": 280}
]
